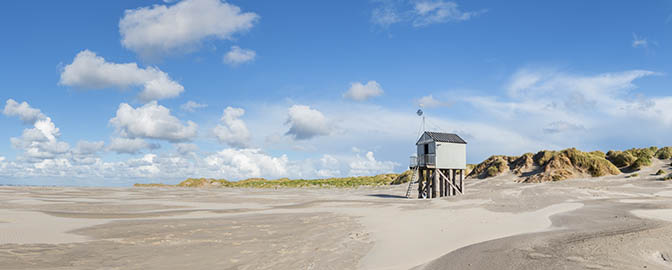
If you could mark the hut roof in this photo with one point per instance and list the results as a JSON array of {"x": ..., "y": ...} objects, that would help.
[{"x": 443, "y": 137}]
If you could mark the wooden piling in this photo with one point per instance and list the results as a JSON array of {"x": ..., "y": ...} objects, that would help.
[
  {"x": 421, "y": 182},
  {"x": 462, "y": 181},
  {"x": 441, "y": 183}
]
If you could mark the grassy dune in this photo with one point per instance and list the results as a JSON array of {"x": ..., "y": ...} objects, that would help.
[
  {"x": 534, "y": 168},
  {"x": 377, "y": 180}
]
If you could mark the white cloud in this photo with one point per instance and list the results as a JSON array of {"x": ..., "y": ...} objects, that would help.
[
  {"x": 155, "y": 31},
  {"x": 385, "y": 15},
  {"x": 192, "y": 106},
  {"x": 419, "y": 12},
  {"x": 306, "y": 123},
  {"x": 237, "y": 56},
  {"x": 368, "y": 165},
  {"x": 232, "y": 130},
  {"x": 91, "y": 71},
  {"x": 431, "y": 102},
  {"x": 362, "y": 92},
  {"x": 87, "y": 147},
  {"x": 152, "y": 121},
  {"x": 639, "y": 42},
  {"x": 593, "y": 107},
  {"x": 130, "y": 146},
  {"x": 41, "y": 141},
  {"x": 185, "y": 148},
  {"x": 562, "y": 126},
  {"x": 246, "y": 163},
  {"x": 439, "y": 11},
  {"x": 26, "y": 113}
]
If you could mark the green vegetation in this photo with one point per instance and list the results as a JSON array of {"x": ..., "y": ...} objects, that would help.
[
  {"x": 540, "y": 167},
  {"x": 667, "y": 178},
  {"x": 551, "y": 165},
  {"x": 664, "y": 153},
  {"x": 378, "y": 180},
  {"x": 621, "y": 159},
  {"x": 636, "y": 158},
  {"x": 593, "y": 163},
  {"x": 640, "y": 163},
  {"x": 404, "y": 177},
  {"x": 152, "y": 185},
  {"x": 493, "y": 166}
]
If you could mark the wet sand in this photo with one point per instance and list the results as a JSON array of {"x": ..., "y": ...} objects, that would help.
[{"x": 601, "y": 223}]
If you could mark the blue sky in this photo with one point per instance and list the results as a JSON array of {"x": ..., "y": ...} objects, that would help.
[{"x": 118, "y": 92}]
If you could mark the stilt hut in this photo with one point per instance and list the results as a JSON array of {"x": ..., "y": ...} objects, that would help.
[{"x": 440, "y": 164}]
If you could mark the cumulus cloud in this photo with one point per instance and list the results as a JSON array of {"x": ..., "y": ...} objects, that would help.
[
  {"x": 419, "y": 13},
  {"x": 91, "y": 71},
  {"x": 88, "y": 147},
  {"x": 159, "y": 30},
  {"x": 192, "y": 106},
  {"x": 305, "y": 123},
  {"x": 368, "y": 165},
  {"x": 362, "y": 92},
  {"x": 40, "y": 141},
  {"x": 131, "y": 146},
  {"x": 185, "y": 148},
  {"x": 232, "y": 130},
  {"x": 22, "y": 110},
  {"x": 152, "y": 121},
  {"x": 246, "y": 163},
  {"x": 237, "y": 56}
]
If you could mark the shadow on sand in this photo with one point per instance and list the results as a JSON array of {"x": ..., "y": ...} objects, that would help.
[{"x": 387, "y": 196}]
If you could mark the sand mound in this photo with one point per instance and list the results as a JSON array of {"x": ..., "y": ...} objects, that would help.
[{"x": 547, "y": 166}]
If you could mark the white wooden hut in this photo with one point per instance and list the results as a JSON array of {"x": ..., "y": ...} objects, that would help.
[{"x": 441, "y": 160}]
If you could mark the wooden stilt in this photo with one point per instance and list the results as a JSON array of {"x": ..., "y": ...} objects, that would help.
[
  {"x": 448, "y": 175},
  {"x": 421, "y": 182},
  {"x": 434, "y": 184},
  {"x": 455, "y": 181},
  {"x": 462, "y": 181},
  {"x": 442, "y": 184},
  {"x": 428, "y": 186}
]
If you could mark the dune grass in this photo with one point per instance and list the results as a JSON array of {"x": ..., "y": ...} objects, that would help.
[
  {"x": 344, "y": 182},
  {"x": 664, "y": 153},
  {"x": 540, "y": 167}
]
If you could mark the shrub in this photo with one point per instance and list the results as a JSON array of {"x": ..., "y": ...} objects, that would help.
[
  {"x": 592, "y": 163},
  {"x": 640, "y": 163},
  {"x": 621, "y": 159},
  {"x": 664, "y": 153},
  {"x": 405, "y": 177},
  {"x": 666, "y": 178},
  {"x": 660, "y": 172},
  {"x": 492, "y": 166}
]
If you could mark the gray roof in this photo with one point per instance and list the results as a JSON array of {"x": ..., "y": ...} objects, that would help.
[{"x": 445, "y": 137}]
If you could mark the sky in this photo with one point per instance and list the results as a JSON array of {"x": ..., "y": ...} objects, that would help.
[{"x": 111, "y": 93}]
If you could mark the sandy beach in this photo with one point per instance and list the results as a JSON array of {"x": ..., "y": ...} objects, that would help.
[{"x": 596, "y": 223}]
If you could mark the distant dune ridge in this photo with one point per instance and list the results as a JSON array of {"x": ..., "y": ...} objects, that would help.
[{"x": 543, "y": 166}]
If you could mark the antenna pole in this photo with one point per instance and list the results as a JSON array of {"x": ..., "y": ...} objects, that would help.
[{"x": 423, "y": 123}]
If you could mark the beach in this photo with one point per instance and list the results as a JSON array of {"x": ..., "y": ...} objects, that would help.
[{"x": 610, "y": 222}]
